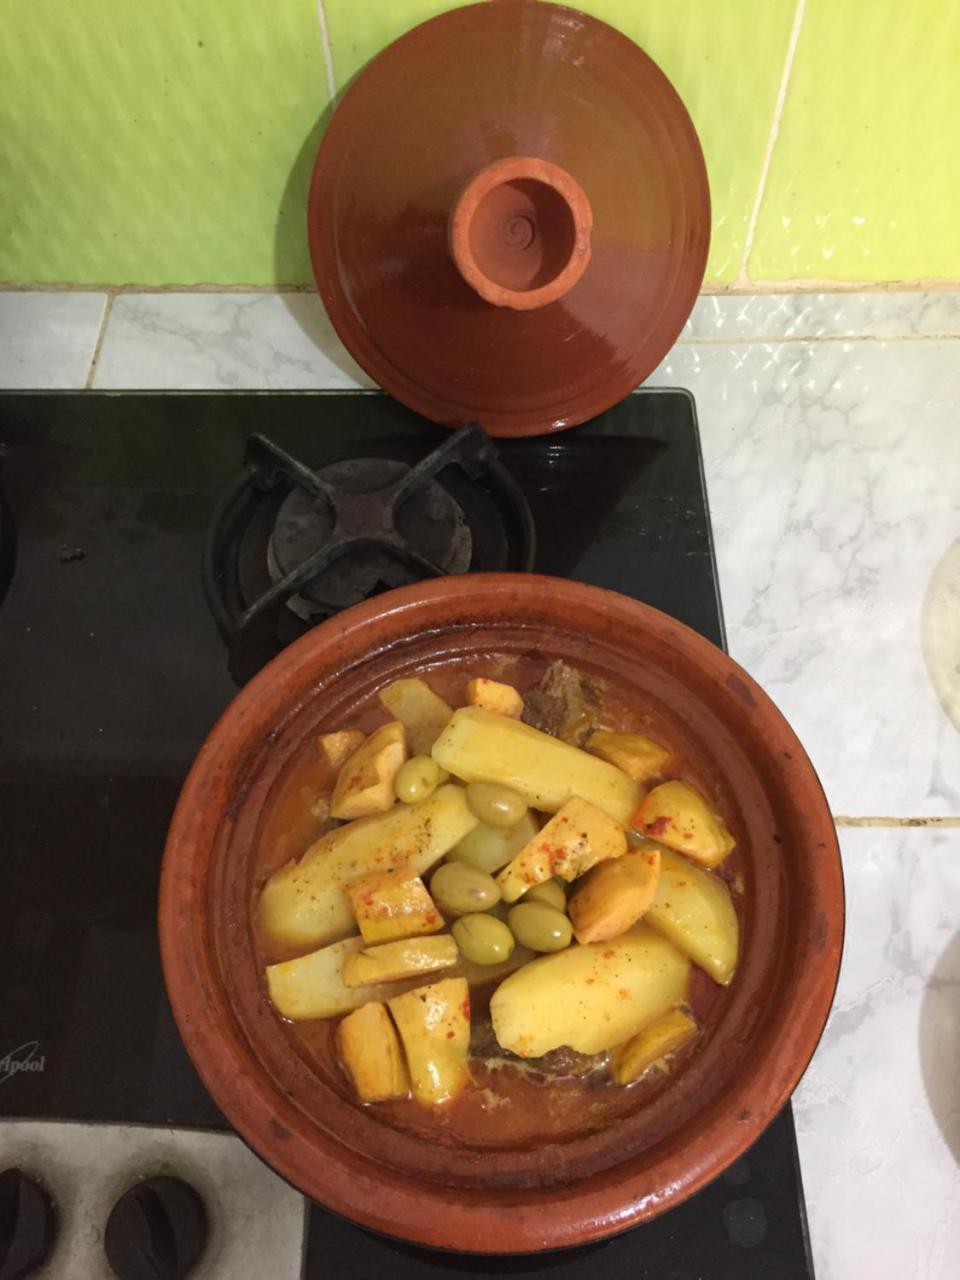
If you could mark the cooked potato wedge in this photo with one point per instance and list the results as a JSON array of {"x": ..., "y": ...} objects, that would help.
[
  {"x": 434, "y": 1025},
  {"x": 651, "y": 1045},
  {"x": 479, "y": 746},
  {"x": 365, "y": 782},
  {"x": 591, "y": 997},
  {"x": 422, "y": 712},
  {"x": 693, "y": 908},
  {"x": 676, "y": 814},
  {"x": 305, "y": 903},
  {"x": 577, "y": 837},
  {"x": 490, "y": 848},
  {"x": 393, "y": 961},
  {"x": 614, "y": 895},
  {"x": 337, "y": 748},
  {"x": 640, "y": 757},
  {"x": 312, "y": 986},
  {"x": 370, "y": 1050},
  {"x": 501, "y": 699},
  {"x": 391, "y": 905}
]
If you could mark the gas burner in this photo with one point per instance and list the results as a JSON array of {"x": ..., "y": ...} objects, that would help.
[
  {"x": 374, "y": 519},
  {"x": 290, "y": 546}
]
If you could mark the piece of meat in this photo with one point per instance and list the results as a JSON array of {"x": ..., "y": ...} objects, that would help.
[
  {"x": 558, "y": 1062},
  {"x": 565, "y": 1061},
  {"x": 564, "y": 704}
]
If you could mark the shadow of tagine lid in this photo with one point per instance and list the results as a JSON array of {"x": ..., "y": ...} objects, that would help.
[{"x": 509, "y": 217}]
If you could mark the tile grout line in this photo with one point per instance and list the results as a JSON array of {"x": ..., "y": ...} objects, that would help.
[
  {"x": 790, "y": 285},
  {"x": 742, "y": 276},
  {"x": 327, "y": 55},
  {"x": 779, "y": 338},
  {"x": 840, "y": 820},
  {"x": 97, "y": 346},
  {"x": 117, "y": 290},
  {"x": 794, "y": 286}
]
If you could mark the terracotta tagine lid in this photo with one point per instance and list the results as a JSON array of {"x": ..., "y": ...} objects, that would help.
[{"x": 509, "y": 217}]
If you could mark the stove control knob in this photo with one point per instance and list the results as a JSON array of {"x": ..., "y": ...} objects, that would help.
[
  {"x": 157, "y": 1230},
  {"x": 28, "y": 1225}
]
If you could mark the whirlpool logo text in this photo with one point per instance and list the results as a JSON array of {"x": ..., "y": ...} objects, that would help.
[{"x": 26, "y": 1058}]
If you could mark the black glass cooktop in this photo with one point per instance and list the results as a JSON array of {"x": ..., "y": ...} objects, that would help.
[{"x": 112, "y": 670}]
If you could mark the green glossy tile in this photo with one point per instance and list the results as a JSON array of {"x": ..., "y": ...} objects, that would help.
[
  {"x": 359, "y": 29},
  {"x": 157, "y": 141},
  {"x": 725, "y": 59},
  {"x": 865, "y": 179}
]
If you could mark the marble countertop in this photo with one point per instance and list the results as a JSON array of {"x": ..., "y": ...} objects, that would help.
[{"x": 831, "y": 438}]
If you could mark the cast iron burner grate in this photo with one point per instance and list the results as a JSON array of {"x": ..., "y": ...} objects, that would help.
[{"x": 289, "y": 546}]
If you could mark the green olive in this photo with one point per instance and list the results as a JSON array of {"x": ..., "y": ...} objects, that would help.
[
  {"x": 417, "y": 779},
  {"x": 458, "y": 889},
  {"x": 482, "y": 939},
  {"x": 490, "y": 848},
  {"x": 540, "y": 928},
  {"x": 550, "y": 894},
  {"x": 496, "y": 805}
]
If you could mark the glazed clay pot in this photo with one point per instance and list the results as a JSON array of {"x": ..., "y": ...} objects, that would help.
[
  {"x": 303, "y": 1120},
  {"x": 509, "y": 217}
]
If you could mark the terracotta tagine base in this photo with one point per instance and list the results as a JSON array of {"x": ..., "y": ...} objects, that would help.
[
  {"x": 448, "y": 1189},
  {"x": 509, "y": 217}
]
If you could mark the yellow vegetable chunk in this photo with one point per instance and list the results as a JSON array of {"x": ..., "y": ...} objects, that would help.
[
  {"x": 393, "y": 961},
  {"x": 365, "y": 782},
  {"x": 636, "y": 755},
  {"x": 422, "y": 712},
  {"x": 312, "y": 985},
  {"x": 501, "y": 699},
  {"x": 390, "y": 905},
  {"x": 613, "y": 896},
  {"x": 337, "y": 748},
  {"x": 434, "y": 1025},
  {"x": 479, "y": 746},
  {"x": 651, "y": 1045},
  {"x": 591, "y": 997},
  {"x": 370, "y": 1050},
  {"x": 675, "y": 814},
  {"x": 575, "y": 839},
  {"x": 490, "y": 848},
  {"x": 305, "y": 903},
  {"x": 693, "y": 908}
]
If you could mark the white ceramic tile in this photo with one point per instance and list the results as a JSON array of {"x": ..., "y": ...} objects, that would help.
[
  {"x": 223, "y": 341},
  {"x": 824, "y": 315},
  {"x": 47, "y": 340},
  {"x": 941, "y": 631},
  {"x": 256, "y": 1221},
  {"x": 878, "y": 1112},
  {"x": 833, "y": 472}
]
